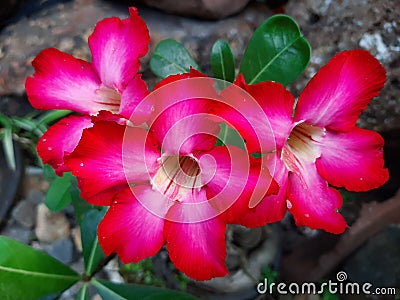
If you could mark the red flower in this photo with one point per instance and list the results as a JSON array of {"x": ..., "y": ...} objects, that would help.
[
  {"x": 109, "y": 83},
  {"x": 319, "y": 142},
  {"x": 170, "y": 183}
]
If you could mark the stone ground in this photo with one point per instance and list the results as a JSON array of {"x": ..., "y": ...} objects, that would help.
[{"x": 330, "y": 26}]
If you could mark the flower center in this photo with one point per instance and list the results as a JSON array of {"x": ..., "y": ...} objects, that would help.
[
  {"x": 109, "y": 97},
  {"x": 177, "y": 176},
  {"x": 302, "y": 144}
]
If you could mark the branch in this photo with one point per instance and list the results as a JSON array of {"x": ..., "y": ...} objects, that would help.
[{"x": 373, "y": 218}]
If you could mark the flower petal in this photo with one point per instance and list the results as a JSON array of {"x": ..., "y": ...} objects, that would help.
[
  {"x": 60, "y": 140},
  {"x": 193, "y": 73},
  {"x": 312, "y": 202},
  {"x": 277, "y": 104},
  {"x": 186, "y": 127},
  {"x": 62, "y": 81},
  {"x": 129, "y": 229},
  {"x": 353, "y": 160},
  {"x": 234, "y": 181},
  {"x": 116, "y": 47},
  {"x": 336, "y": 95},
  {"x": 109, "y": 155},
  {"x": 131, "y": 97},
  {"x": 196, "y": 249},
  {"x": 272, "y": 207},
  {"x": 182, "y": 122}
]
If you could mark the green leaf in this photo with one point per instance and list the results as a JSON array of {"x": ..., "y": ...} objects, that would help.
[
  {"x": 48, "y": 172},
  {"x": 24, "y": 123},
  {"x": 229, "y": 136},
  {"x": 110, "y": 291},
  {"x": 171, "y": 57},
  {"x": 52, "y": 116},
  {"x": 29, "y": 125},
  {"x": 92, "y": 252},
  {"x": 276, "y": 51},
  {"x": 59, "y": 194},
  {"x": 222, "y": 61},
  {"x": 8, "y": 145},
  {"x": 83, "y": 293},
  {"x": 81, "y": 207},
  {"x": 26, "y": 273}
]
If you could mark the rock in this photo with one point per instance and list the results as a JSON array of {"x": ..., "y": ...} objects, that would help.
[
  {"x": 333, "y": 26},
  {"x": 78, "y": 266},
  {"x": 50, "y": 226},
  {"x": 54, "y": 25},
  {"x": 61, "y": 249},
  {"x": 373, "y": 43},
  {"x": 207, "y": 9},
  {"x": 252, "y": 260},
  {"x": 72, "y": 292},
  {"x": 35, "y": 183},
  {"x": 35, "y": 197},
  {"x": 25, "y": 213},
  {"x": 76, "y": 237},
  {"x": 17, "y": 232},
  {"x": 112, "y": 271}
]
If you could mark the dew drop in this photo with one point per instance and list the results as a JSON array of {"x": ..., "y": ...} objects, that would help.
[
  {"x": 288, "y": 204},
  {"x": 361, "y": 178},
  {"x": 44, "y": 140},
  {"x": 307, "y": 215},
  {"x": 49, "y": 148},
  {"x": 81, "y": 164}
]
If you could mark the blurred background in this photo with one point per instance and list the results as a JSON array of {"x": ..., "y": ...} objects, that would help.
[{"x": 368, "y": 252}]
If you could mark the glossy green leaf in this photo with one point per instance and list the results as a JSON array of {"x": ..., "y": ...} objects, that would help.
[
  {"x": 59, "y": 194},
  {"x": 229, "y": 136},
  {"x": 48, "y": 172},
  {"x": 171, "y": 57},
  {"x": 26, "y": 273},
  {"x": 92, "y": 252},
  {"x": 113, "y": 291},
  {"x": 222, "y": 61},
  {"x": 83, "y": 293},
  {"x": 276, "y": 51}
]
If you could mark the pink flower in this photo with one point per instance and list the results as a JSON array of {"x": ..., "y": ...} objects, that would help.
[
  {"x": 319, "y": 144},
  {"x": 109, "y": 83},
  {"x": 182, "y": 188}
]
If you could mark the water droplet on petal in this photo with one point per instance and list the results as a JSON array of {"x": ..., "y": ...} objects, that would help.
[
  {"x": 288, "y": 204},
  {"x": 361, "y": 178},
  {"x": 82, "y": 164},
  {"x": 44, "y": 140},
  {"x": 307, "y": 215},
  {"x": 49, "y": 148}
]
